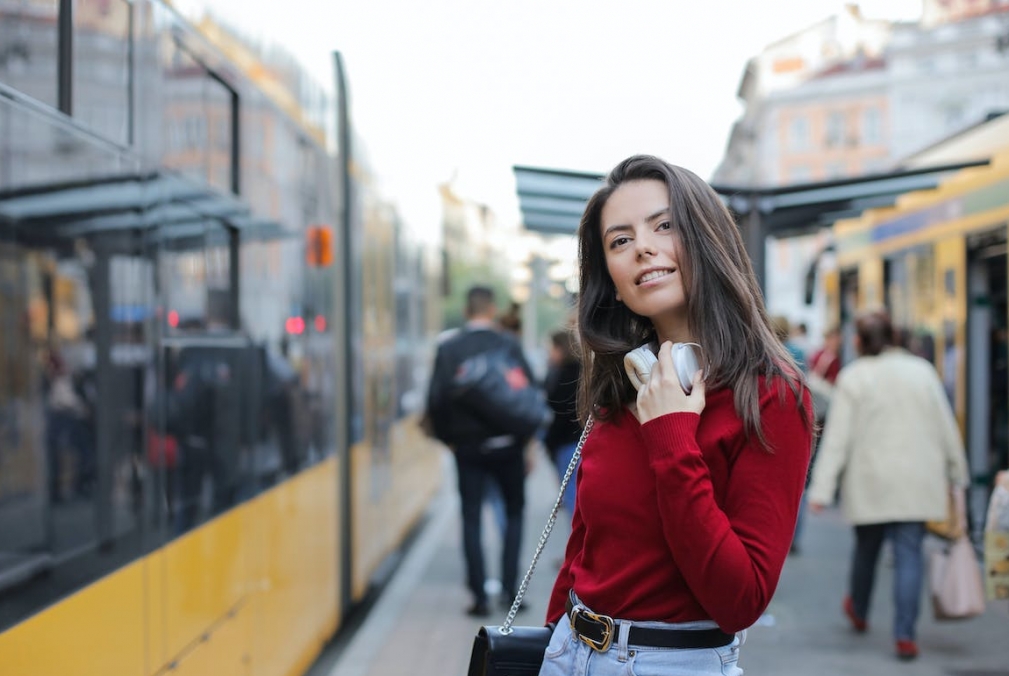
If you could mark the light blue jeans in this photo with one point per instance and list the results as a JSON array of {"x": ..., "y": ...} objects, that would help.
[
  {"x": 568, "y": 656},
  {"x": 908, "y": 570},
  {"x": 563, "y": 459}
]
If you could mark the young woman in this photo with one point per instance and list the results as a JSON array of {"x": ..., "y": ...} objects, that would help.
[{"x": 686, "y": 503}]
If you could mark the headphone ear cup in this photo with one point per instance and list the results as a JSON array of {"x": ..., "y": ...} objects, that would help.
[
  {"x": 685, "y": 361},
  {"x": 638, "y": 363}
]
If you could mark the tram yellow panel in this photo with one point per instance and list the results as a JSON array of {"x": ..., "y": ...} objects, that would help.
[
  {"x": 222, "y": 651},
  {"x": 96, "y": 632},
  {"x": 294, "y": 549},
  {"x": 870, "y": 284},
  {"x": 205, "y": 576},
  {"x": 389, "y": 499},
  {"x": 366, "y": 509},
  {"x": 156, "y": 627}
]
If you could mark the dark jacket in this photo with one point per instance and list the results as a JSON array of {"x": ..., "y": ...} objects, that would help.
[
  {"x": 562, "y": 394},
  {"x": 453, "y": 423}
]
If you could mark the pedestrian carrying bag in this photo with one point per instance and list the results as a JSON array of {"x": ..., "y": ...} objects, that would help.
[
  {"x": 957, "y": 588},
  {"x": 955, "y": 574},
  {"x": 954, "y": 525},
  {"x": 506, "y": 650}
]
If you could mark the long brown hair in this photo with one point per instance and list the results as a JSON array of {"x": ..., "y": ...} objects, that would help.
[{"x": 724, "y": 303}]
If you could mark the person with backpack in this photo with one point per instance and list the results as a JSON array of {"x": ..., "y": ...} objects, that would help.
[{"x": 481, "y": 380}]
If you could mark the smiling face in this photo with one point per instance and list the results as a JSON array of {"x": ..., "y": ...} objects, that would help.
[{"x": 642, "y": 249}]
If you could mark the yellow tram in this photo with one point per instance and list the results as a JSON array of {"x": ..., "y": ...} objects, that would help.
[
  {"x": 937, "y": 261},
  {"x": 213, "y": 340}
]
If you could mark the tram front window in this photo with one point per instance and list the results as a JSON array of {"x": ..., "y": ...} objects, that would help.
[
  {"x": 70, "y": 417},
  {"x": 28, "y": 48}
]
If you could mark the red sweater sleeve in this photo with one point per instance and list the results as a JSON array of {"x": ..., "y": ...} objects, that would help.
[
  {"x": 559, "y": 595},
  {"x": 731, "y": 556}
]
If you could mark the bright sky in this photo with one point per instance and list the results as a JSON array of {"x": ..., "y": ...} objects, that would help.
[{"x": 469, "y": 88}]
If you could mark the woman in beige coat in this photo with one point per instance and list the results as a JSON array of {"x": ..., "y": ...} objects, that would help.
[{"x": 891, "y": 434}]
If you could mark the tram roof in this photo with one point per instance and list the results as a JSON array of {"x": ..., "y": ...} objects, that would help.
[
  {"x": 178, "y": 207},
  {"x": 552, "y": 200}
]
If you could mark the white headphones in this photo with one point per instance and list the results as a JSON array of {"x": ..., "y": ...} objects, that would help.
[{"x": 639, "y": 362}]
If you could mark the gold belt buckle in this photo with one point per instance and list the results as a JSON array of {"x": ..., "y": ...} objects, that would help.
[{"x": 605, "y": 620}]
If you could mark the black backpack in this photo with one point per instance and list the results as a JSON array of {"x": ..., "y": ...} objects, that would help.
[{"x": 494, "y": 386}]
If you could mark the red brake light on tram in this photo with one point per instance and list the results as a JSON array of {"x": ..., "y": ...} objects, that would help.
[
  {"x": 173, "y": 319},
  {"x": 295, "y": 325},
  {"x": 320, "y": 323}
]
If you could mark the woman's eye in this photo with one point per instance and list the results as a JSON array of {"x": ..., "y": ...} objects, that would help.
[
  {"x": 665, "y": 225},
  {"x": 618, "y": 241}
]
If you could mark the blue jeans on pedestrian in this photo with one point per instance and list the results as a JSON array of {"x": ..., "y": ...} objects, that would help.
[
  {"x": 568, "y": 656},
  {"x": 906, "y": 539},
  {"x": 562, "y": 458}
]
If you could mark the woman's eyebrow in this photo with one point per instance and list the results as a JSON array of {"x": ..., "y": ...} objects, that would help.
[
  {"x": 659, "y": 214},
  {"x": 616, "y": 228},
  {"x": 622, "y": 226}
]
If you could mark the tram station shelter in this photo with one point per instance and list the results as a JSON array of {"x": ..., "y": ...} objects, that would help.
[{"x": 552, "y": 200}]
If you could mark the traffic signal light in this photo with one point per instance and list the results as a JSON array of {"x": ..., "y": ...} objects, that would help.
[{"x": 319, "y": 246}]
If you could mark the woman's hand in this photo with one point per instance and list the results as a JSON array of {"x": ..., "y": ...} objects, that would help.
[{"x": 663, "y": 394}]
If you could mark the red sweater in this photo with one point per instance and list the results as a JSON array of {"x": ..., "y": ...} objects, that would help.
[{"x": 685, "y": 518}]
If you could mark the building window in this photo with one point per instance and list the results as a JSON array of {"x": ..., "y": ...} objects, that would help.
[
  {"x": 871, "y": 131},
  {"x": 835, "y": 129},
  {"x": 836, "y": 170},
  {"x": 798, "y": 134}
]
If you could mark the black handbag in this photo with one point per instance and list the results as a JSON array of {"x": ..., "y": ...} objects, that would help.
[{"x": 518, "y": 651}]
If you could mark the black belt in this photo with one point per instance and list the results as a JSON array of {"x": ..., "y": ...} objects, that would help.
[{"x": 598, "y": 631}]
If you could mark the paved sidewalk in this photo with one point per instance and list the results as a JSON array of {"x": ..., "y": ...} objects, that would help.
[{"x": 418, "y": 626}]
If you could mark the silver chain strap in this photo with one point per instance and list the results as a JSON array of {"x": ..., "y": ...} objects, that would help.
[{"x": 506, "y": 628}]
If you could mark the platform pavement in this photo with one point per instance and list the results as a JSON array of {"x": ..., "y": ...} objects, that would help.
[{"x": 418, "y": 627}]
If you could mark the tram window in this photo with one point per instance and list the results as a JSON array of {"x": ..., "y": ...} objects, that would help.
[
  {"x": 29, "y": 48},
  {"x": 207, "y": 411},
  {"x": 196, "y": 280},
  {"x": 102, "y": 67},
  {"x": 71, "y": 415},
  {"x": 198, "y": 110}
]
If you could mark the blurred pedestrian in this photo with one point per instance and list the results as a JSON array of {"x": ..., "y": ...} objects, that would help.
[
  {"x": 481, "y": 453},
  {"x": 799, "y": 336},
  {"x": 686, "y": 502},
  {"x": 892, "y": 435},
  {"x": 562, "y": 394},
  {"x": 826, "y": 361},
  {"x": 511, "y": 321},
  {"x": 783, "y": 331}
]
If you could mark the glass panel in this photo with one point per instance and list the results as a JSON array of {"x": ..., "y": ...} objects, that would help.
[
  {"x": 207, "y": 412},
  {"x": 29, "y": 47},
  {"x": 269, "y": 316},
  {"x": 101, "y": 67},
  {"x": 210, "y": 401},
  {"x": 37, "y": 151},
  {"x": 196, "y": 279},
  {"x": 71, "y": 497},
  {"x": 198, "y": 110}
]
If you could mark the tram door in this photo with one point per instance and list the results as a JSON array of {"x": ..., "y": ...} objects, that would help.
[
  {"x": 987, "y": 361},
  {"x": 848, "y": 308}
]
